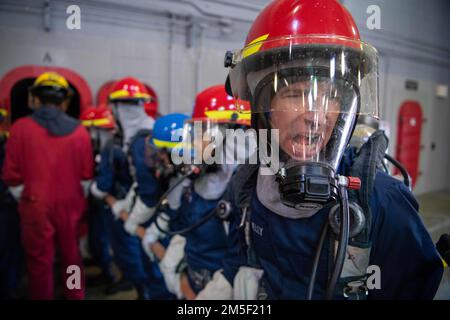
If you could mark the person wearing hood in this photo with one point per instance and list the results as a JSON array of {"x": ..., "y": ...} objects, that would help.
[
  {"x": 127, "y": 186},
  {"x": 101, "y": 126},
  {"x": 48, "y": 158},
  {"x": 190, "y": 262},
  {"x": 328, "y": 223}
]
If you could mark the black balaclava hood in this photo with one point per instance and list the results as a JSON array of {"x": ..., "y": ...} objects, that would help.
[{"x": 56, "y": 121}]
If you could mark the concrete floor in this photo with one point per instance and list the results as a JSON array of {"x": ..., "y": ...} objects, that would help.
[{"x": 435, "y": 212}]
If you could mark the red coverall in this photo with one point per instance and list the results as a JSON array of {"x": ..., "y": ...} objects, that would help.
[{"x": 52, "y": 203}]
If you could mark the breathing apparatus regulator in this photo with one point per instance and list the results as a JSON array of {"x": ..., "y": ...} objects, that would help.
[{"x": 222, "y": 209}]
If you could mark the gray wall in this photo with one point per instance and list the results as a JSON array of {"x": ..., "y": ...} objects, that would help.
[
  {"x": 134, "y": 38},
  {"x": 414, "y": 44}
]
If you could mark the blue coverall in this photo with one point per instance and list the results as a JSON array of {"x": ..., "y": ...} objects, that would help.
[{"x": 401, "y": 246}]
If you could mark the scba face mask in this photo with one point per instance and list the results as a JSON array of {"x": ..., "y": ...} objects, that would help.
[
  {"x": 159, "y": 161},
  {"x": 311, "y": 89}
]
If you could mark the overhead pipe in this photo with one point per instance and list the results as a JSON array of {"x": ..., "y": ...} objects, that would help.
[{"x": 170, "y": 77}]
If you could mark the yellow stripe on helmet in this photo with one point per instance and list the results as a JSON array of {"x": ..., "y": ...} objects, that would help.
[
  {"x": 254, "y": 46},
  {"x": 51, "y": 79},
  {"x": 4, "y": 112},
  {"x": 124, "y": 94},
  {"x": 96, "y": 122},
  {"x": 228, "y": 115},
  {"x": 165, "y": 144}
]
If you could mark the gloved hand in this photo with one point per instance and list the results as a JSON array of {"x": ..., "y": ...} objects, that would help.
[
  {"x": 96, "y": 192},
  {"x": 153, "y": 234},
  {"x": 146, "y": 244},
  {"x": 118, "y": 207},
  {"x": 16, "y": 191},
  {"x": 217, "y": 289},
  {"x": 124, "y": 204},
  {"x": 168, "y": 265},
  {"x": 246, "y": 283},
  {"x": 138, "y": 215}
]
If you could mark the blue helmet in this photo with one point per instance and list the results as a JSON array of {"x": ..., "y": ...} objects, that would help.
[{"x": 163, "y": 129}]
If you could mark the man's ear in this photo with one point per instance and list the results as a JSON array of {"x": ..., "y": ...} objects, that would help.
[
  {"x": 33, "y": 102},
  {"x": 65, "y": 105}
]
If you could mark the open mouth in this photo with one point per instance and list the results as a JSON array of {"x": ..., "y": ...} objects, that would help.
[
  {"x": 306, "y": 145},
  {"x": 306, "y": 139}
]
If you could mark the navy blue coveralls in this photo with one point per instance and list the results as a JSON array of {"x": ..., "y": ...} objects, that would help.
[
  {"x": 401, "y": 246},
  {"x": 206, "y": 245},
  {"x": 115, "y": 178}
]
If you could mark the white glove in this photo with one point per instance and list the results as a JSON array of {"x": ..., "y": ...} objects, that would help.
[
  {"x": 96, "y": 192},
  {"x": 153, "y": 234},
  {"x": 124, "y": 204},
  {"x": 168, "y": 266},
  {"x": 138, "y": 215},
  {"x": 246, "y": 283},
  {"x": 16, "y": 191},
  {"x": 86, "y": 185},
  {"x": 218, "y": 288}
]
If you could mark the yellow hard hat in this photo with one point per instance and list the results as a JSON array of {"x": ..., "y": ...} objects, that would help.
[
  {"x": 51, "y": 79},
  {"x": 51, "y": 85}
]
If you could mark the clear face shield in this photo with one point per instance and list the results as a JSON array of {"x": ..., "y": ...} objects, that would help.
[
  {"x": 201, "y": 140},
  {"x": 313, "y": 115},
  {"x": 311, "y": 93}
]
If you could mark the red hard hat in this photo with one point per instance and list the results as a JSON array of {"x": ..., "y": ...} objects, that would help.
[
  {"x": 215, "y": 104},
  {"x": 99, "y": 117},
  {"x": 298, "y": 38},
  {"x": 129, "y": 89},
  {"x": 297, "y": 18}
]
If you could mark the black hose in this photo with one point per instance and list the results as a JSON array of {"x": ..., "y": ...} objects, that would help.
[
  {"x": 401, "y": 168},
  {"x": 188, "y": 229},
  {"x": 312, "y": 280},
  {"x": 343, "y": 242},
  {"x": 168, "y": 191}
]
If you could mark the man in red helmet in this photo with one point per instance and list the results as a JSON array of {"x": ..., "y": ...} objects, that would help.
[
  {"x": 200, "y": 235},
  {"x": 49, "y": 155},
  {"x": 327, "y": 224},
  {"x": 128, "y": 187},
  {"x": 101, "y": 125}
]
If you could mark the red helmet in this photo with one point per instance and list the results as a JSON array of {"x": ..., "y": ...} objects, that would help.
[
  {"x": 294, "y": 18},
  {"x": 99, "y": 117},
  {"x": 129, "y": 89},
  {"x": 320, "y": 32},
  {"x": 215, "y": 104}
]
